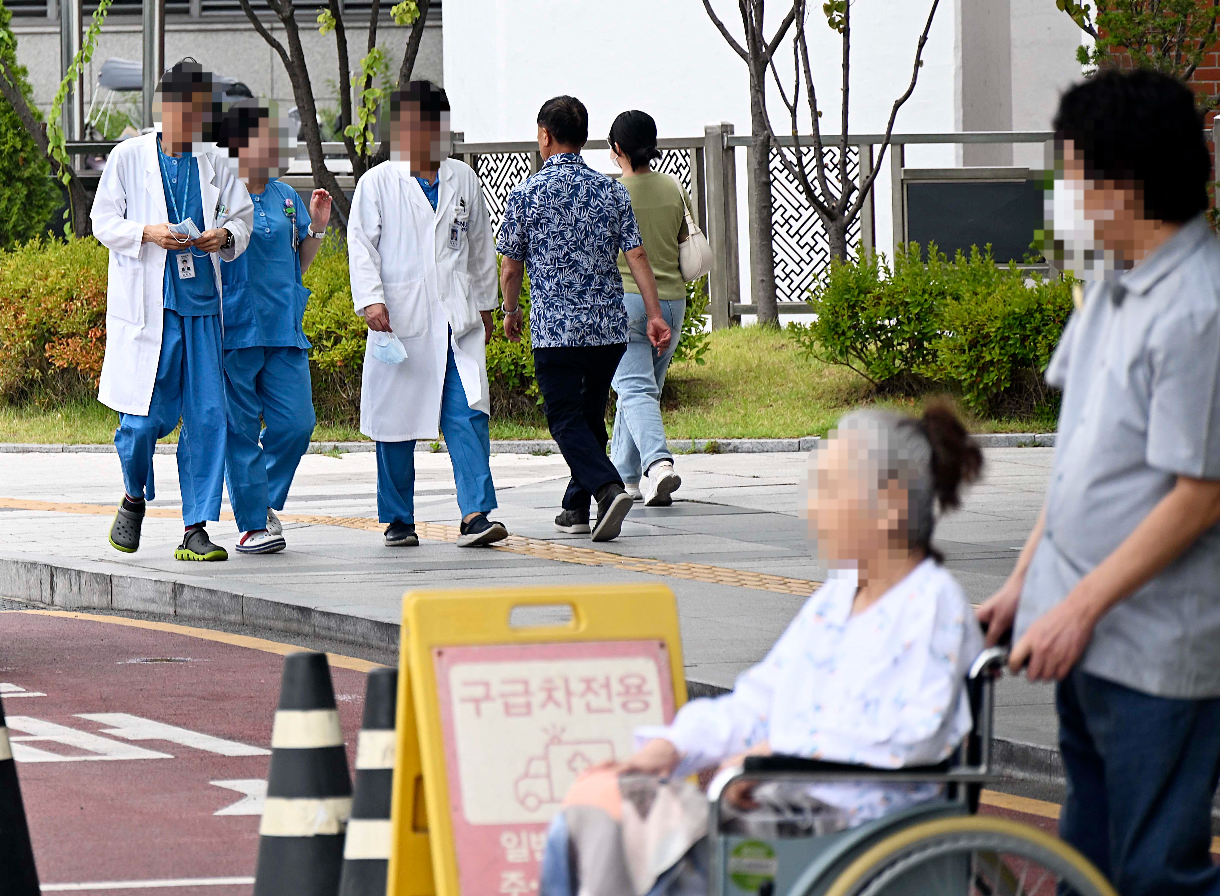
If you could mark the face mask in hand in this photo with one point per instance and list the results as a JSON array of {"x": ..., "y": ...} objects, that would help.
[{"x": 387, "y": 348}]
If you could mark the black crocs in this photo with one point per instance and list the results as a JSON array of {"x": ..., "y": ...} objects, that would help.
[
  {"x": 125, "y": 530},
  {"x": 197, "y": 546}
]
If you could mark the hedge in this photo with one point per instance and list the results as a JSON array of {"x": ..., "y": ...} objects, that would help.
[
  {"x": 53, "y": 317},
  {"x": 967, "y": 326}
]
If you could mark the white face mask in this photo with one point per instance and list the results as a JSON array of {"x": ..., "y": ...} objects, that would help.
[{"x": 1077, "y": 249}]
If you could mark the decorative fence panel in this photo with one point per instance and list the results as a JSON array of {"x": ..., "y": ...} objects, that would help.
[
  {"x": 499, "y": 173},
  {"x": 799, "y": 242}
]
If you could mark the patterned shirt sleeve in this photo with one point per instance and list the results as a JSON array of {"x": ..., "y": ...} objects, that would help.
[
  {"x": 513, "y": 241},
  {"x": 629, "y": 230}
]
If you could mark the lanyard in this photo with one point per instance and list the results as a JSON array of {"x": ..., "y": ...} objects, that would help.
[{"x": 170, "y": 192}]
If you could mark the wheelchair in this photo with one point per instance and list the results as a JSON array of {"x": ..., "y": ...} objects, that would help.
[{"x": 936, "y": 848}]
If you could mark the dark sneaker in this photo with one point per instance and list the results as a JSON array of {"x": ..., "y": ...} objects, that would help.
[
  {"x": 613, "y": 504},
  {"x": 401, "y": 535},
  {"x": 197, "y": 546},
  {"x": 573, "y": 522},
  {"x": 481, "y": 530},
  {"x": 125, "y": 530}
]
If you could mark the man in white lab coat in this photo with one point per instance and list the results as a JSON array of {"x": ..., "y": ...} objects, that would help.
[
  {"x": 168, "y": 209},
  {"x": 423, "y": 272}
]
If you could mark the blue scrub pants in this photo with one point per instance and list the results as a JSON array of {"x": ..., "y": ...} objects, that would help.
[
  {"x": 188, "y": 385},
  {"x": 271, "y": 418},
  {"x": 469, "y": 446}
]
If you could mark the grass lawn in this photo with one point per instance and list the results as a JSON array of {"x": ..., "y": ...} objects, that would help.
[{"x": 754, "y": 384}]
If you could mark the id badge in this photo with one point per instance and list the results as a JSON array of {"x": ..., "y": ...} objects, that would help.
[
  {"x": 455, "y": 234},
  {"x": 186, "y": 266}
]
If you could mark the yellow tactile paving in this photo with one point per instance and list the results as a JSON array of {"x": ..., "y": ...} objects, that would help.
[{"x": 516, "y": 544}]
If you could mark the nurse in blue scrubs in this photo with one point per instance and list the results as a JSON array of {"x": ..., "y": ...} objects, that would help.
[{"x": 266, "y": 355}]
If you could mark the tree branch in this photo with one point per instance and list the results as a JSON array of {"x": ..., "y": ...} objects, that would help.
[
  {"x": 720, "y": 26},
  {"x": 894, "y": 111},
  {"x": 845, "y": 187},
  {"x": 345, "y": 89},
  {"x": 262, "y": 30},
  {"x": 413, "y": 44},
  {"x": 803, "y": 49},
  {"x": 781, "y": 31}
]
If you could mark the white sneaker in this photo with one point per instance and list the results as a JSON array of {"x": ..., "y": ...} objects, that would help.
[
  {"x": 262, "y": 542},
  {"x": 663, "y": 482},
  {"x": 633, "y": 489},
  {"x": 274, "y": 526}
]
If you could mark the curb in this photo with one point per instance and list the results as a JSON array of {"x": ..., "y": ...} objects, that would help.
[
  {"x": 49, "y": 583},
  {"x": 548, "y": 446}
]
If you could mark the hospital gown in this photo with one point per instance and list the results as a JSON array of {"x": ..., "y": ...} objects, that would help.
[{"x": 884, "y": 688}]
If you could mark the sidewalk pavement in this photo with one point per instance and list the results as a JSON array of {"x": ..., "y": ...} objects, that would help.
[{"x": 732, "y": 548}]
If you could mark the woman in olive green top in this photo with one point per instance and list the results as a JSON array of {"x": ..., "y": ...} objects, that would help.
[{"x": 638, "y": 445}]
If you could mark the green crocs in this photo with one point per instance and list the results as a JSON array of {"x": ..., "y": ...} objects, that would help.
[
  {"x": 125, "y": 530},
  {"x": 197, "y": 546}
]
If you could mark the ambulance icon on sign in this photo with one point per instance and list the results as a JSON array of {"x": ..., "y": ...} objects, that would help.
[{"x": 548, "y": 776}]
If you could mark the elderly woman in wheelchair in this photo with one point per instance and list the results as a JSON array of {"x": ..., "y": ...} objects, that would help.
[{"x": 850, "y": 759}]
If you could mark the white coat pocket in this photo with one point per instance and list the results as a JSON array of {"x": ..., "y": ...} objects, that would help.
[
  {"x": 407, "y": 305},
  {"x": 125, "y": 289}
]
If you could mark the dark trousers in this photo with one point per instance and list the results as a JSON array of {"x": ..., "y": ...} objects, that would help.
[
  {"x": 1141, "y": 774},
  {"x": 575, "y": 382}
]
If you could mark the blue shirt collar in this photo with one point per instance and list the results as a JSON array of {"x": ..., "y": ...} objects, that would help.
[{"x": 564, "y": 158}]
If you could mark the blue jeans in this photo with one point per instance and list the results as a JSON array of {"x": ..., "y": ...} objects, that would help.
[
  {"x": 469, "y": 445},
  {"x": 271, "y": 417},
  {"x": 188, "y": 385},
  {"x": 639, "y": 438},
  {"x": 1141, "y": 774}
]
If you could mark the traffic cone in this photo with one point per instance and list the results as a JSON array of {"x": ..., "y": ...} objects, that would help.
[
  {"x": 366, "y": 854},
  {"x": 309, "y": 793},
  {"x": 16, "y": 853}
]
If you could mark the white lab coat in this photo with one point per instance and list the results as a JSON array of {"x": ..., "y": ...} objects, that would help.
[
  {"x": 129, "y": 196},
  {"x": 400, "y": 253}
]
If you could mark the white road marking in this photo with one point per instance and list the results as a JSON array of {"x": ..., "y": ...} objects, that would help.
[
  {"x": 150, "y": 884},
  {"x": 8, "y": 689},
  {"x": 254, "y": 792},
  {"x": 131, "y": 727},
  {"x": 98, "y": 748}
]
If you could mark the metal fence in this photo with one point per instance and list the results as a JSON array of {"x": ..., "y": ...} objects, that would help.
[{"x": 707, "y": 169}]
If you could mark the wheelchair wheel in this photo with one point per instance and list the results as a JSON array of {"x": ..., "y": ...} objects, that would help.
[{"x": 970, "y": 856}]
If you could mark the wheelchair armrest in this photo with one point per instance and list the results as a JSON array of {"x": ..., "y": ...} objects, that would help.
[{"x": 763, "y": 765}]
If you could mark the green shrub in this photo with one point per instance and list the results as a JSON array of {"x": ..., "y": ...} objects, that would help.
[
  {"x": 998, "y": 341},
  {"x": 52, "y": 320},
  {"x": 978, "y": 330},
  {"x": 511, "y": 383},
  {"x": 337, "y": 333},
  {"x": 879, "y": 323},
  {"x": 28, "y": 196},
  {"x": 693, "y": 340}
]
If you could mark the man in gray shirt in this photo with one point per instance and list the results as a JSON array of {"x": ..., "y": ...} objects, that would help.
[{"x": 1116, "y": 594}]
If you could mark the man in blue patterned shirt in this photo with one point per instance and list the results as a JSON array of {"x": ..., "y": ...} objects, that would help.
[{"x": 568, "y": 223}]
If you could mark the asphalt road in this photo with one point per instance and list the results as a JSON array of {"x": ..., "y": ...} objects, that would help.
[{"x": 143, "y": 753}]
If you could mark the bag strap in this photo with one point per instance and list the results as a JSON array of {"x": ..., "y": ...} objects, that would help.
[{"x": 692, "y": 227}]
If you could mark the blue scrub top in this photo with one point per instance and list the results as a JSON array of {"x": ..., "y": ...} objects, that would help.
[
  {"x": 263, "y": 295},
  {"x": 431, "y": 190},
  {"x": 195, "y": 296}
]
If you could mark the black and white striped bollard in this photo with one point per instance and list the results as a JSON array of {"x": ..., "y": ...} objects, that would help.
[
  {"x": 309, "y": 793},
  {"x": 366, "y": 854}
]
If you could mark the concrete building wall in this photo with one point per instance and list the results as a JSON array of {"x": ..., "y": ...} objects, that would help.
[{"x": 229, "y": 48}]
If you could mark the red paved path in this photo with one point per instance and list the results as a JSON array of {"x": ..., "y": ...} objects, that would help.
[{"x": 144, "y": 819}]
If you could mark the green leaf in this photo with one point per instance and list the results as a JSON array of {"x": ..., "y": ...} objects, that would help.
[
  {"x": 405, "y": 12},
  {"x": 326, "y": 21}
]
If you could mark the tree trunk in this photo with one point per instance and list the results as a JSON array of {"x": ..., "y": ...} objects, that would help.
[
  {"x": 759, "y": 223},
  {"x": 837, "y": 237},
  {"x": 409, "y": 54},
  {"x": 303, "y": 92}
]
